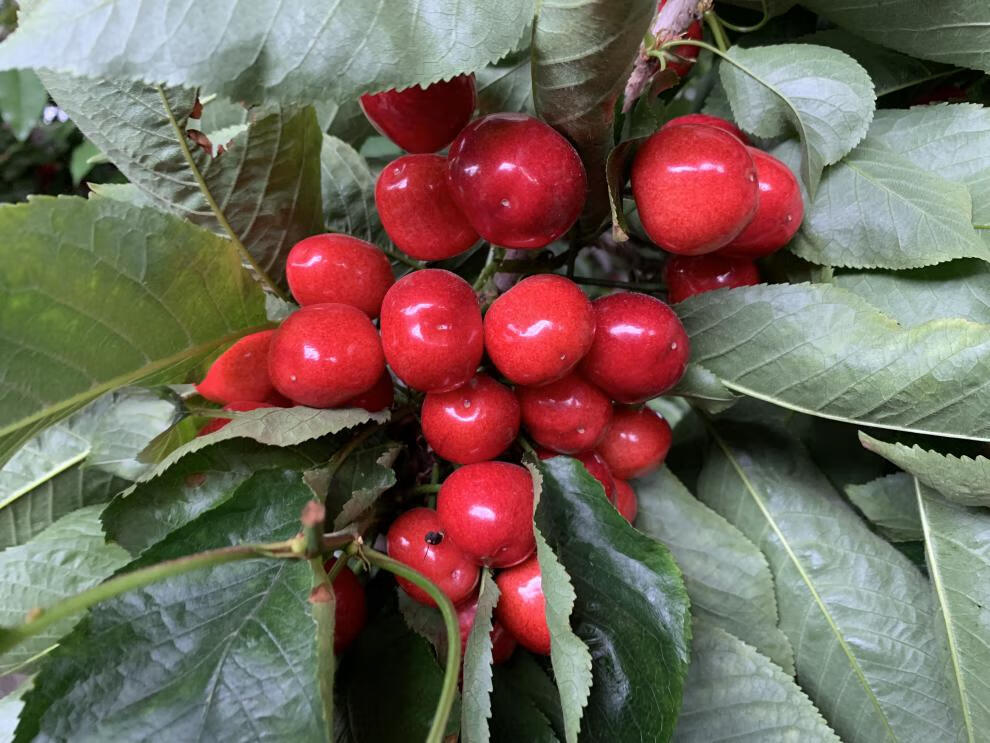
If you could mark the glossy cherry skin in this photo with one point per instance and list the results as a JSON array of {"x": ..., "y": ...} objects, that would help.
[
  {"x": 423, "y": 119},
  {"x": 240, "y": 374},
  {"x": 351, "y": 610},
  {"x": 778, "y": 215},
  {"x": 325, "y": 354},
  {"x": 503, "y": 643},
  {"x": 695, "y": 188},
  {"x": 687, "y": 275},
  {"x": 431, "y": 330},
  {"x": 592, "y": 462},
  {"x": 378, "y": 398},
  {"x": 416, "y": 539},
  {"x": 217, "y": 423},
  {"x": 339, "y": 268},
  {"x": 626, "y": 502},
  {"x": 519, "y": 183},
  {"x": 539, "y": 330},
  {"x": 640, "y": 349},
  {"x": 473, "y": 423},
  {"x": 568, "y": 416},
  {"x": 417, "y": 210},
  {"x": 522, "y": 607},
  {"x": 636, "y": 442},
  {"x": 487, "y": 510},
  {"x": 689, "y": 53},
  {"x": 708, "y": 120}
]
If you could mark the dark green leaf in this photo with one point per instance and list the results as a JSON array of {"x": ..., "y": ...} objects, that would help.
[
  {"x": 348, "y": 192},
  {"x": 22, "y": 101},
  {"x": 506, "y": 87},
  {"x": 889, "y": 503},
  {"x": 704, "y": 389},
  {"x": 522, "y": 697},
  {"x": 361, "y": 479},
  {"x": 476, "y": 683}
]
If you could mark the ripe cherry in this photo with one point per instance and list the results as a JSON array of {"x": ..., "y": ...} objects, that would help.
[
  {"x": 778, "y": 215},
  {"x": 240, "y": 374},
  {"x": 568, "y": 416},
  {"x": 503, "y": 643},
  {"x": 418, "y": 211},
  {"x": 473, "y": 423},
  {"x": 522, "y": 607},
  {"x": 595, "y": 465},
  {"x": 640, "y": 349},
  {"x": 539, "y": 330},
  {"x": 687, "y": 275},
  {"x": 378, "y": 398},
  {"x": 339, "y": 268},
  {"x": 431, "y": 330},
  {"x": 423, "y": 119},
  {"x": 487, "y": 510},
  {"x": 217, "y": 423},
  {"x": 519, "y": 182},
  {"x": 708, "y": 120},
  {"x": 636, "y": 442},
  {"x": 687, "y": 53},
  {"x": 325, "y": 354},
  {"x": 351, "y": 610},
  {"x": 626, "y": 502},
  {"x": 695, "y": 188},
  {"x": 416, "y": 539}
]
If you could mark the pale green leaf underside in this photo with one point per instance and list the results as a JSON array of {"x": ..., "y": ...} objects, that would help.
[
  {"x": 506, "y": 87},
  {"x": 22, "y": 101},
  {"x": 889, "y": 503},
  {"x": 476, "y": 684}
]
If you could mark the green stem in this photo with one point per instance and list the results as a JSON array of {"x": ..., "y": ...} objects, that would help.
[
  {"x": 715, "y": 24},
  {"x": 492, "y": 267},
  {"x": 749, "y": 29},
  {"x": 324, "y": 613},
  {"x": 9, "y": 638},
  {"x": 631, "y": 285},
  {"x": 452, "y": 669},
  {"x": 527, "y": 447},
  {"x": 426, "y": 489},
  {"x": 337, "y": 567},
  {"x": 402, "y": 257}
]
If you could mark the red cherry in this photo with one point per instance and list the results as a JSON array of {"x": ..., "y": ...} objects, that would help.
[
  {"x": 778, "y": 215},
  {"x": 640, "y": 349},
  {"x": 416, "y": 539},
  {"x": 351, "y": 611},
  {"x": 695, "y": 188},
  {"x": 522, "y": 607},
  {"x": 422, "y": 119},
  {"x": 240, "y": 373},
  {"x": 473, "y": 423},
  {"x": 687, "y": 275},
  {"x": 431, "y": 330},
  {"x": 325, "y": 354},
  {"x": 539, "y": 330},
  {"x": 418, "y": 211},
  {"x": 689, "y": 53},
  {"x": 635, "y": 443},
  {"x": 217, "y": 423},
  {"x": 568, "y": 416},
  {"x": 518, "y": 181},
  {"x": 708, "y": 120},
  {"x": 625, "y": 501},
  {"x": 339, "y": 268},
  {"x": 487, "y": 510},
  {"x": 595, "y": 465},
  {"x": 503, "y": 643},
  {"x": 378, "y": 398}
]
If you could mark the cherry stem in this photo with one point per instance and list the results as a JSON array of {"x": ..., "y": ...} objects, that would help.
[
  {"x": 715, "y": 24},
  {"x": 426, "y": 489},
  {"x": 337, "y": 567},
  {"x": 324, "y": 614},
  {"x": 631, "y": 285},
  {"x": 492, "y": 267},
  {"x": 749, "y": 29},
  {"x": 401, "y": 257}
]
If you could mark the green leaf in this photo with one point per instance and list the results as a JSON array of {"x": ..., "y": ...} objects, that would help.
[
  {"x": 203, "y": 655},
  {"x": 734, "y": 693},
  {"x": 581, "y": 55},
  {"x": 22, "y": 101},
  {"x": 97, "y": 317},
  {"x": 958, "y": 559},
  {"x": 963, "y": 480},
  {"x": 952, "y": 31},
  {"x": 359, "y": 482},
  {"x": 889, "y": 503},
  {"x": 727, "y": 577},
  {"x": 506, "y": 87},
  {"x": 517, "y": 715},
  {"x": 639, "y": 664},
  {"x": 476, "y": 684},
  {"x": 10, "y": 710},
  {"x": 81, "y": 161},
  {"x": 857, "y": 612},
  {"x": 264, "y": 190},
  {"x": 128, "y": 193},
  {"x": 819, "y": 350},
  {"x": 704, "y": 389},
  {"x": 68, "y": 557},
  {"x": 819, "y": 93},
  {"x": 261, "y": 50},
  {"x": 877, "y": 209},
  {"x": 348, "y": 192}
]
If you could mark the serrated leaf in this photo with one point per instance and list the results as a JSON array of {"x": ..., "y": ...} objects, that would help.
[
  {"x": 127, "y": 193},
  {"x": 958, "y": 558},
  {"x": 889, "y": 503},
  {"x": 859, "y": 615},
  {"x": 821, "y": 94},
  {"x": 705, "y": 389},
  {"x": 10, "y": 710},
  {"x": 348, "y": 192},
  {"x": 203, "y": 655},
  {"x": 506, "y": 87},
  {"x": 476, "y": 683},
  {"x": 727, "y": 577},
  {"x": 251, "y": 50},
  {"x": 819, "y": 350},
  {"x": 639, "y": 664},
  {"x": 963, "y": 480},
  {"x": 734, "y": 693},
  {"x": 615, "y": 180},
  {"x": 96, "y": 316},
  {"x": 359, "y": 482},
  {"x": 425, "y": 621},
  {"x": 22, "y": 101},
  {"x": 264, "y": 189},
  {"x": 877, "y": 209}
]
